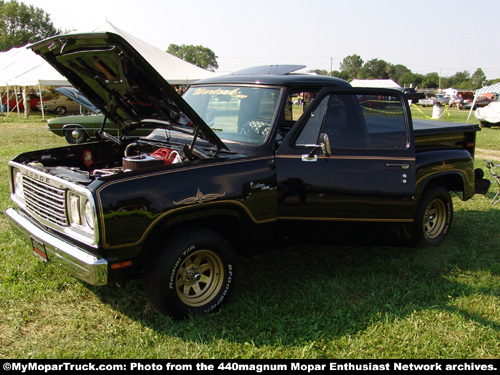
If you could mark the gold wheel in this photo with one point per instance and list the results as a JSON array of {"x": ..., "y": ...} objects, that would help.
[
  {"x": 200, "y": 277},
  {"x": 435, "y": 218}
]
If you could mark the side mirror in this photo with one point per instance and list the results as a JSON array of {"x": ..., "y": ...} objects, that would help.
[{"x": 324, "y": 145}]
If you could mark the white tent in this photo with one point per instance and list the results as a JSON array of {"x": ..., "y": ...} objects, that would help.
[
  {"x": 484, "y": 90},
  {"x": 21, "y": 67},
  {"x": 175, "y": 70},
  {"x": 377, "y": 83}
]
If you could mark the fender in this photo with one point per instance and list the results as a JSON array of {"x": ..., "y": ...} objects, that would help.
[{"x": 453, "y": 169}]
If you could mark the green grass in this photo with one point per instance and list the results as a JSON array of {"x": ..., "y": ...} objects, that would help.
[{"x": 343, "y": 301}]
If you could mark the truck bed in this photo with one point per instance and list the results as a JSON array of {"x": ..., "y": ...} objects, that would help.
[
  {"x": 438, "y": 135},
  {"x": 426, "y": 127}
]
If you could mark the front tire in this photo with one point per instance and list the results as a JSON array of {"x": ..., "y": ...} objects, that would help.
[
  {"x": 191, "y": 275},
  {"x": 75, "y": 135},
  {"x": 434, "y": 217}
]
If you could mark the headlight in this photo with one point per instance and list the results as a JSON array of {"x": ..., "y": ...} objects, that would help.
[
  {"x": 81, "y": 212},
  {"x": 74, "y": 209},
  {"x": 89, "y": 214},
  {"x": 18, "y": 184}
]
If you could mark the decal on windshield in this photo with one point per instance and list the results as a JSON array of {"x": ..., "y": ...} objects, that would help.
[{"x": 234, "y": 93}]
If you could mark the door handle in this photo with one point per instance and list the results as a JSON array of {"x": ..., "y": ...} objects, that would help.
[{"x": 397, "y": 165}]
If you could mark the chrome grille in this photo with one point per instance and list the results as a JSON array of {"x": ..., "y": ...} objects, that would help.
[{"x": 45, "y": 201}]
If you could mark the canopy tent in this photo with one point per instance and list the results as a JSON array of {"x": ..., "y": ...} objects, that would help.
[
  {"x": 175, "y": 70},
  {"x": 495, "y": 88},
  {"x": 20, "y": 67}
]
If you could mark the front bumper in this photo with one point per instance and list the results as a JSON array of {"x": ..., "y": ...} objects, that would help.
[{"x": 73, "y": 259}]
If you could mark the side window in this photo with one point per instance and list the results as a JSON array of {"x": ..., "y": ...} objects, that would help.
[
  {"x": 385, "y": 121},
  {"x": 310, "y": 132},
  {"x": 357, "y": 122},
  {"x": 296, "y": 104}
]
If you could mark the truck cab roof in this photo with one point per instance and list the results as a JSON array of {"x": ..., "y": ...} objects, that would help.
[{"x": 289, "y": 79}]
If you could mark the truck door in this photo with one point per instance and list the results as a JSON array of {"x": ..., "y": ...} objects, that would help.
[{"x": 349, "y": 158}]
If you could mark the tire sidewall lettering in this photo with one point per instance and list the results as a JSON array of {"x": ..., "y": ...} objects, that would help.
[
  {"x": 448, "y": 218},
  {"x": 223, "y": 293},
  {"x": 178, "y": 262},
  {"x": 162, "y": 275}
]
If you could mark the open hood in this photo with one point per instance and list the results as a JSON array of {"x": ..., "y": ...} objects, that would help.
[
  {"x": 110, "y": 72},
  {"x": 78, "y": 97}
]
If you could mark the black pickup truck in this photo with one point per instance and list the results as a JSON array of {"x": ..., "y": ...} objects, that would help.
[{"x": 237, "y": 164}]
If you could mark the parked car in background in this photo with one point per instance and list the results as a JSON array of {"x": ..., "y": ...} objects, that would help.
[
  {"x": 429, "y": 101},
  {"x": 77, "y": 128},
  {"x": 426, "y": 102},
  {"x": 79, "y": 98},
  {"x": 481, "y": 101},
  {"x": 442, "y": 98},
  {"x": 412, "y": 94},
  {"x": 81, "y": 128},
  {"x": 490, "y": 115},
  {"x": 13, "y": 101},
  {"x": 60, "y": 104}
]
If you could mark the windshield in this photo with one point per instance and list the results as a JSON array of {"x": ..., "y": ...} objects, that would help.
[{"x": 235, "y": 113}]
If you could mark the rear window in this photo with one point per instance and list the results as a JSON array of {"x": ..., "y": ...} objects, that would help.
[{"x": 357, "y": 122}]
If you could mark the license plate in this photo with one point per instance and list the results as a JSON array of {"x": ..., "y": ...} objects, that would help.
[{"x": 39, "y": 249}]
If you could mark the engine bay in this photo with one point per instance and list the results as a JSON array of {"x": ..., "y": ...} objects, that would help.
[{"x": 86, "y": 162}]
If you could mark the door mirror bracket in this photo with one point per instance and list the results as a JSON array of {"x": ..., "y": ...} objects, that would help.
[{"x": 323, "y": 145}]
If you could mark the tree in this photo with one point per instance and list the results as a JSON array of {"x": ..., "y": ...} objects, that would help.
[
  {"x": 200, "y": 56},
  {"x": 430, "y": 81},
  {"x": 375, "y": 69},
  {"x": 398, "y": 71},
  {"x": 339, "y": 74},
  {"x": 478, "y": 78},
  {"x": 409, "y": 78},
  {"x": 459, "y": 80},
  {"x": 491, "y": 82},
  {"x": 21, "y": 24},
  {"x": 351, "y": 66},
  {"x": 321, "y": 72}
]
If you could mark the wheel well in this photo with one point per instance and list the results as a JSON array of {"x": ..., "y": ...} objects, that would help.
[
  {"x": 72, "y": 126},
  {"x": 451, "y": 182},
  {"x": 237, "y": 228}
]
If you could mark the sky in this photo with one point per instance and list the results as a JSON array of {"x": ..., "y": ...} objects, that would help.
[{"x": 426, "y": 36}]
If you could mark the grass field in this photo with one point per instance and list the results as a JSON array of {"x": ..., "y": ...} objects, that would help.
[{"x": 341, "y": 301}]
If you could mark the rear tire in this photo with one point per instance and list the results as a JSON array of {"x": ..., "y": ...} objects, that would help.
[
  {"x": 434, "y": 217},
  {"x": 191, "y": 275}
]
